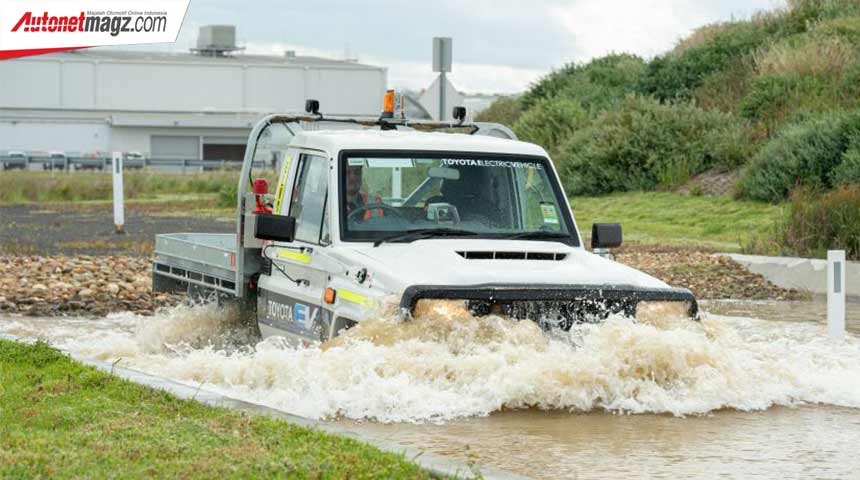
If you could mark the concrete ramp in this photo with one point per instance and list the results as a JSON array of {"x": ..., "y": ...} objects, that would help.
[{"x": 808, "y": 274}]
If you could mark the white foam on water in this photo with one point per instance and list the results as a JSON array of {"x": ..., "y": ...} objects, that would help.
[{"x": 446, "y": 364}]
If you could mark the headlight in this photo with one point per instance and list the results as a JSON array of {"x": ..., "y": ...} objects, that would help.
[{"x": 653, "y": 312}]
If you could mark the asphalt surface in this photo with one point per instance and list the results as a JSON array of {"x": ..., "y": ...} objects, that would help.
[{"x": 89, "y": 230}]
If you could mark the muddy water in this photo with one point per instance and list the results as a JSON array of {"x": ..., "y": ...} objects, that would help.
[{"x": 754, "y": 390}]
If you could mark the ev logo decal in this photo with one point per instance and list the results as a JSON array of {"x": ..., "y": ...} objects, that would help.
[{"x": 301, "y": 315}]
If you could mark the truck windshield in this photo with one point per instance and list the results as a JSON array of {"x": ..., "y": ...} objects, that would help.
[{"x": 484, "y": 196}]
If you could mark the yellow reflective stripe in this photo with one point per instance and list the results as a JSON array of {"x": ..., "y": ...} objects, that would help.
[
  {"x": 282, "y": 181},
  {"x": 354, "y": 297},
  {"x": 294, "y": 256}
]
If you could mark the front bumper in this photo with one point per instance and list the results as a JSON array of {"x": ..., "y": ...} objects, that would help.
[{"x": 558, "y": 305}]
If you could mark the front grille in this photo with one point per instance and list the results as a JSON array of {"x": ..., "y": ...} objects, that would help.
[
  {"x": 492, "y": 255},
  {"x": 553, "y": 306},
  {"x": 558, "y": 314}
]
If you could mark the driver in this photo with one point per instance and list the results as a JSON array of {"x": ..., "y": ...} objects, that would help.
[{"x": 355, "y": 198}]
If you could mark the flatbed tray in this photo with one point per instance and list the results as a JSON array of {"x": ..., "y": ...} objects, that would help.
[{"x": 204, "y": 259}]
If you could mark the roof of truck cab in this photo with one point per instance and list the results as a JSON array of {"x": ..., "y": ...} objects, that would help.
[{"x": 336, "y": 140}]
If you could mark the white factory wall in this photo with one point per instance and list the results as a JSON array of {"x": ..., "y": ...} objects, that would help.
[
  {"x": 168, "y": 87},
  {"x": 44, "y": 136},
  {"x": 76, "y": 136},
  {"x": 57, "y": 82}
]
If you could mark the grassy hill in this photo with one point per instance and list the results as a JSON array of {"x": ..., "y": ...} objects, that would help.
[{"x": 775, "y": 98}]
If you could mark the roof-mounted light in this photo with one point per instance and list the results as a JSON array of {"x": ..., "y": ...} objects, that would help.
[{"x": 388, "y": 105}]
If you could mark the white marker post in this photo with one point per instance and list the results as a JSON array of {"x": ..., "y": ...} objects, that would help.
[
  {"x": 118, "y": 207},
  {"x": 836, "y": 294}
]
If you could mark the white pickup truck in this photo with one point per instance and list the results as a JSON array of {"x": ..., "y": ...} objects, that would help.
[{"x": 392, "y": 212}]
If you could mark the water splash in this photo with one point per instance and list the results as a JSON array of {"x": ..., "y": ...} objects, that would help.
[{"x": 447, "y": 364}]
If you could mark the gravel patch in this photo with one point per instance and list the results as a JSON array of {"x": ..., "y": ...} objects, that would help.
[
  {"x": 66, "y": 260},
  {"x": 707, "y": 275},
  {"x": 98, "y": 285},
  {"x": 80, "y": 285}
]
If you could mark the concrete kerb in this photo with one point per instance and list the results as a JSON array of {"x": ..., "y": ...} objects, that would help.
[
  {"x": 437, "y": 466},
  {"x": 809, "y": 274}
]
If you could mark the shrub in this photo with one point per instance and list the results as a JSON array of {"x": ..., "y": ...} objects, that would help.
[
  {"x": 716, "y": 48},
  {"x": 845, "y": 28},
  {"x": 814, "y": 10},
  {"x": 677, "y": 76},
  {"x": 596, "y": 85},
  {"x": 700, "y": 36},
  {"x": 551, "y": 122},
  {"x": 817, "y": 223},
  {"x": 768, "y": 95},
  {"x": 227, "y": 195},
  {"x": 644, "y": 144},
  {"x": 724, "y": 90},
  {"x": 809, "y": 72},
  {"x": 849, "y": 170},
  {"x": 505, "y": 110},
  {"x": 805, "y": 153},
  {"x": 772, "y": 99},
  {"x": 806, "y": 55}
]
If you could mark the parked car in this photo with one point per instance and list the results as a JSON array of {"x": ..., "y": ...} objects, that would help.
[
  {"x": 93, "y": 161},
  {"x": 13, "y": 160},
  {"x": 133, "y": 160},
  {"x": 56, "y": 161}
]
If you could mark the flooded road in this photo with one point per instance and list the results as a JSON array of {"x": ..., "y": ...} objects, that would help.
[{"x": 755, "y": 390}]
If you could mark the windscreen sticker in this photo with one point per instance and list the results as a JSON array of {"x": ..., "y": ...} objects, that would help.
[
  {"x": 357, "y": 162},
  {"x": 550, "y": 215},
  {"x": 471, "y": 162},
  {"x": 281, "y": 182}
]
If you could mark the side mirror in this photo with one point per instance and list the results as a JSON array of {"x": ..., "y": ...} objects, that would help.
[
  {"x": 280, "y": 228},
  {"x": 605, "y": 235}
]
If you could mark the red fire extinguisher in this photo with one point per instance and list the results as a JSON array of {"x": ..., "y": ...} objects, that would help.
[{"x": 260, "y": 187}]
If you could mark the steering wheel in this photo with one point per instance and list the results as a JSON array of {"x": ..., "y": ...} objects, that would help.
[{"x": 357, "y": 215}]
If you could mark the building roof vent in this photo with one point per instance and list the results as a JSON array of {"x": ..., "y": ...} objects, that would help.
[{"x": 216, "y": 41}]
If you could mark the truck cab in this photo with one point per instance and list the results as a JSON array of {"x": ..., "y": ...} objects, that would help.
[{"x": 388, "y": 218}]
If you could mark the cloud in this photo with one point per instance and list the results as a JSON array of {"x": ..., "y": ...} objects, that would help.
[
  {"x": 643, "y": 27},
  {"x": 416, "y": 75},
  {"x": 467, "y": 77}
]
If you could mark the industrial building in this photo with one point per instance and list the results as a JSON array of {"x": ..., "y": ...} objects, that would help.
[{"x": 196, "y": 105}]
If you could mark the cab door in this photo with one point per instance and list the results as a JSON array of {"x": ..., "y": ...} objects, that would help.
[{"x": 290, "y": 300}]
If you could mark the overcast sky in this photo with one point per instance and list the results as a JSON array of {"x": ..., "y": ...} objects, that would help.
[{"x": 499, "y": 45}]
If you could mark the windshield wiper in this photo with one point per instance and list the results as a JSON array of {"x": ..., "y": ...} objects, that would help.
[
  {"x": 422, "y": 233},
  {"x": 538, "y": 235}
]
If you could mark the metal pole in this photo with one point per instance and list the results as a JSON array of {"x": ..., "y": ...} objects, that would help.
[
  {"x": 118, "y": 207},
  {"x": 442, "y": 84},
  {"x": 836, "y": 294}
]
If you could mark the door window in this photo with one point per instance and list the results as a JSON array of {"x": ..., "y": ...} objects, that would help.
[{"x": 309, "y": 198}]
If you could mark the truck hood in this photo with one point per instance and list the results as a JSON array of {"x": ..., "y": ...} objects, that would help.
[{"x": 447, "y": 262}]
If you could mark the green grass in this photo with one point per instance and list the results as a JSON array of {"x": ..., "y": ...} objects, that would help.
[
  {"x": 61, "y": 419},
  {"x": 29, "y": 187},
  {"x": 665, "y": 218}
]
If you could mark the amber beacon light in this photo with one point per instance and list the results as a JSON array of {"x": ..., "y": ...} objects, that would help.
[{"x": 388, "y": 104}]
